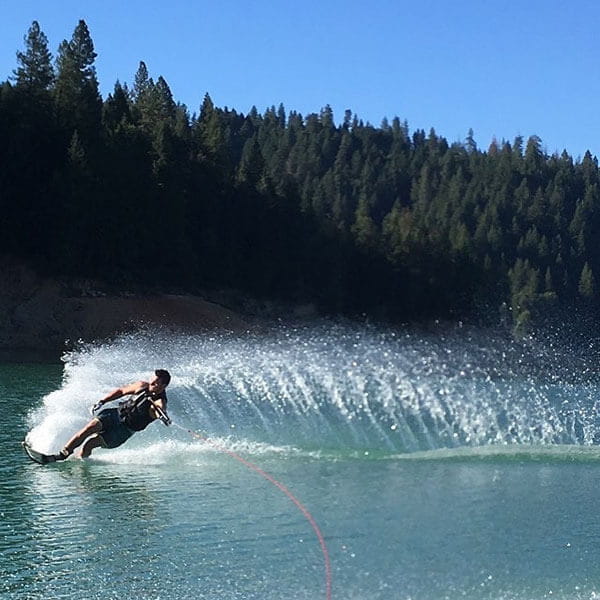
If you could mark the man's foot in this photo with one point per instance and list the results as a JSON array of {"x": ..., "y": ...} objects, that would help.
[{"x": 62, "y": 455}]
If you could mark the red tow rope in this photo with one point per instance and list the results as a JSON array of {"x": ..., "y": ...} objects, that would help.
[{"x": 285, "y": 490}]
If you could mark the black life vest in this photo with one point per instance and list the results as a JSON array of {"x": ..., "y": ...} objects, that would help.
[{"x": 135, "y": 412}]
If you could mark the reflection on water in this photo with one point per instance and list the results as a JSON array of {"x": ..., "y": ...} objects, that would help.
[
  {"x": 95, "y": 529},
  {"x": 71, "y": 516}
]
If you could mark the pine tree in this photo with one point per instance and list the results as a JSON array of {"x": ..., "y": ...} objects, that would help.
[
  {"x": 165, "y": 100},
  {"x": 154, "y": 103},
  {"x": 35, "y": 71},
  {"x": 524, "y": 285},
  {"x": 548, "y": 283},
  {"x": 364, "y": 227},
  {"x": 587, "y": 283},
  {"x": 210, "y": 136},
  {"x": 76, "y": 153},
  {"x": 470, "y": 143},
  {"x": 116, "y": 109},
  {"x": 76, "y": 91},
  {"x": 397, "y": 233},
  {"x": 534, "y": 162},
  {"x": 342, "y": 182},
  {"x": 252, "y": 165},
  {"x": 142, "y": 83}
]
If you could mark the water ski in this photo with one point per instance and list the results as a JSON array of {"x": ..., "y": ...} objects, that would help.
[{"x": 36, "y": 456}]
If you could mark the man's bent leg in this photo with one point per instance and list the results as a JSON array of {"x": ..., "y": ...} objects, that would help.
[
  {"x": 94, "y": 426},
  {"x": 95, "y": 441}
]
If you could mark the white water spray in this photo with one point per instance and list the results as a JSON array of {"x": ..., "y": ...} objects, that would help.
[{"x": 328, "y": 389}]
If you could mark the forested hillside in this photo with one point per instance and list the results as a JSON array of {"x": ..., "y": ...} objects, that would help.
[{"x": 353, "y": 217}]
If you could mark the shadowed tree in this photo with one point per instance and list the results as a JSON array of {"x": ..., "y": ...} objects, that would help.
[
  {"x": 587, "y": 283},
  {"x": 116, "y": 109}
]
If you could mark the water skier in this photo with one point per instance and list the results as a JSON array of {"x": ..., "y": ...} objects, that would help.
[{"x": 112, "y": 427}]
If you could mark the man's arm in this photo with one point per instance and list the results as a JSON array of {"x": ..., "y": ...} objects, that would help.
[{"x": 124, "y": 391}]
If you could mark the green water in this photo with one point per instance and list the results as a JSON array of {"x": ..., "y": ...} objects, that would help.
[
  {"x": 175, "y": 529},
  {"x": 169, "y": 517}
]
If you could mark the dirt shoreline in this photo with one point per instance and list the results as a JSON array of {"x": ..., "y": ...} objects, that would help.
[{"x": 41, "y": 317}]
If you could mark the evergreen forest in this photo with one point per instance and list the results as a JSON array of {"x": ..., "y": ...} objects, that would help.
[{"x": 354, "y": 218}]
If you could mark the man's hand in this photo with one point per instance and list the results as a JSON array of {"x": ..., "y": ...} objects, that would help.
[
  {"x": 162, "y": 415},
  {"x": 96, "y": 407}
]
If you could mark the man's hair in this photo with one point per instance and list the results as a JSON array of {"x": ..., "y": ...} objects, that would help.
[{"x": 163, "y": 375}]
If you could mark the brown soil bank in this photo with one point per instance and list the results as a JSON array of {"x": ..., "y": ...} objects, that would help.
[{"x": 40, "y": 315}]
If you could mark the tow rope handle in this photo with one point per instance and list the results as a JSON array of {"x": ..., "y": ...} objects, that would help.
[{"x": 162, "y": 415}]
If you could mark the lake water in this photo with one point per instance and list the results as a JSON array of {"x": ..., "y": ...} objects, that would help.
[{"x": 435, "y": 467}]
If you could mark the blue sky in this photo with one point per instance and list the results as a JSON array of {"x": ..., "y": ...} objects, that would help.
[{"x": 503, "y": 68}]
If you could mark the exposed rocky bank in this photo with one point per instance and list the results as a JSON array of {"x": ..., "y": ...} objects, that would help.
[{"x": 40, "y": 316}]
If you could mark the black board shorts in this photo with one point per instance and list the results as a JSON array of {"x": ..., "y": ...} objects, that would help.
[{"x": 114, "y": 431}]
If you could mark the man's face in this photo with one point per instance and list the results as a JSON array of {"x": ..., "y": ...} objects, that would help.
[{"x": 156, "y": 385}]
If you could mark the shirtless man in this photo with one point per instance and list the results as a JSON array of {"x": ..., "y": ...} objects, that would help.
[{"x": 112, "y": 427}]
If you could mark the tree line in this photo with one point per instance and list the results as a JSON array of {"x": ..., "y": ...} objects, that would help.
[{"x": 352, "y": 217}]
